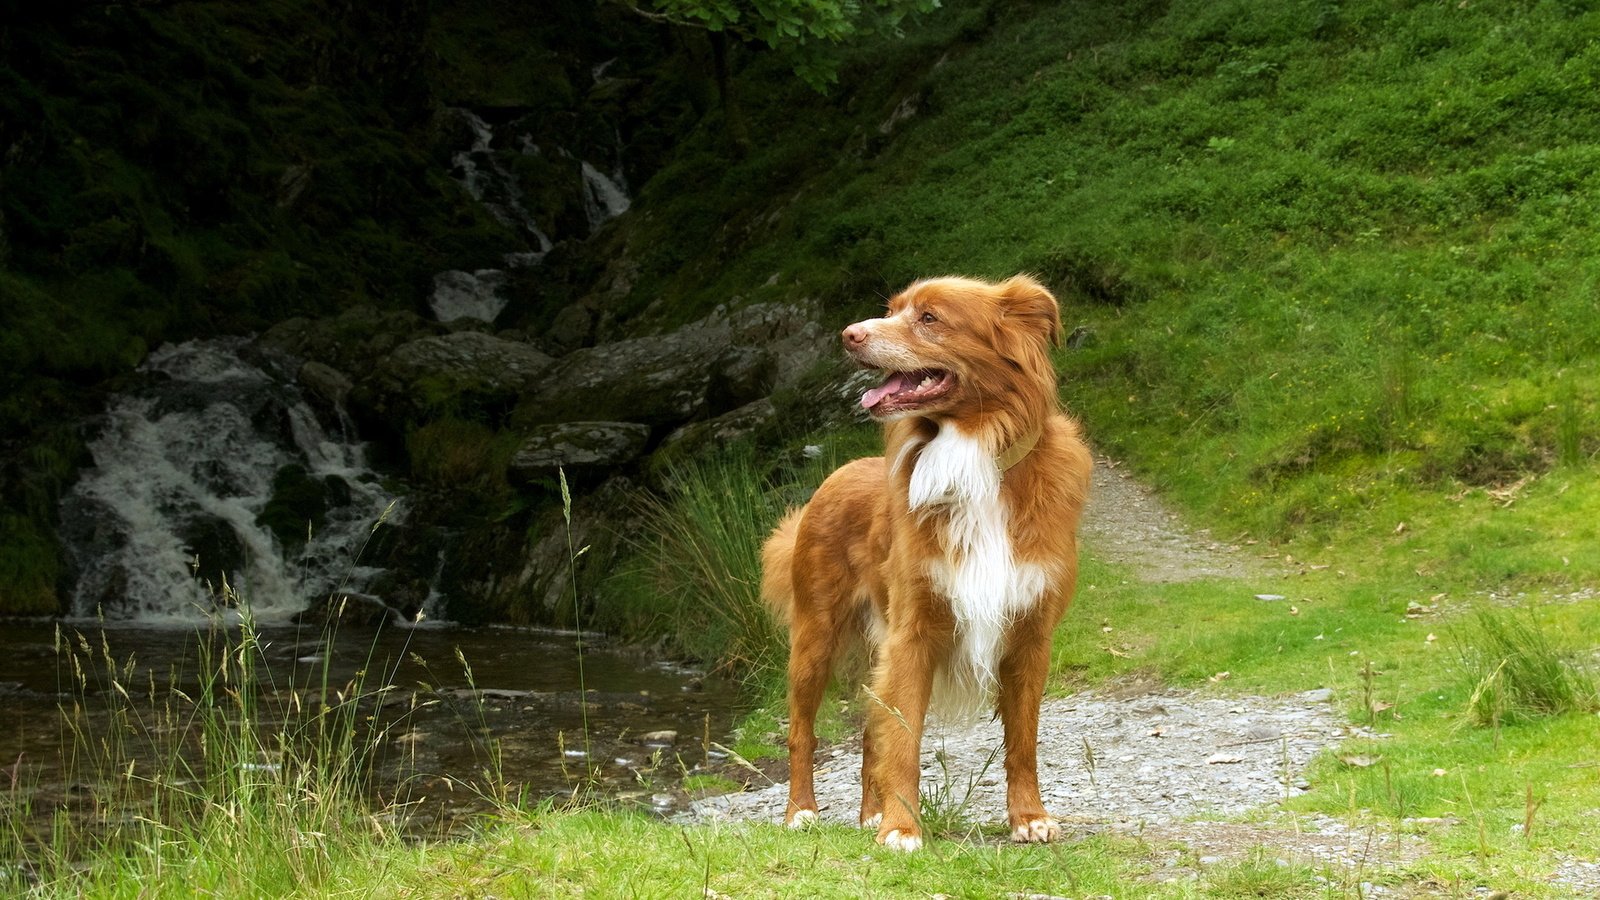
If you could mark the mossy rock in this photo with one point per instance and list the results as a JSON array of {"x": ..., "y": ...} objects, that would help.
[
  {"x": 30, "y": 565},
  {"x": 299, "y": 504},
  {"x": 579, "y": 448}
]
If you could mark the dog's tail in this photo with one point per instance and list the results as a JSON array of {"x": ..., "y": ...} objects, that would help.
[{"x": 777, "y": 568}]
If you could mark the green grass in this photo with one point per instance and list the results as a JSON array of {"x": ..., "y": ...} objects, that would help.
[
  {"x": 1333, "y": 259},
  {"x": 623, "y": 855},
  {"x": 1517, "y": 674},
  {"x": 696, "y": 575}
]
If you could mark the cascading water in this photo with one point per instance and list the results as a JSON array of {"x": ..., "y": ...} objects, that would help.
[
  {"x": 490, "y": 183},
  {"x": 476, "y": 295},
  {"x": 603, "y": 198},
  {"x": 192, "y": 470}
]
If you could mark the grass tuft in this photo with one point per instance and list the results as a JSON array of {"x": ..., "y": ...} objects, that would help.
[
  {"x": 947, "y": 800},
  {"x": 1517, "y": 674},
  {"x": 701, "y": 554}
]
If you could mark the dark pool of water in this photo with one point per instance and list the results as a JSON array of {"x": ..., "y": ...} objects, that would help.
[{"x": 432, "y": 732}]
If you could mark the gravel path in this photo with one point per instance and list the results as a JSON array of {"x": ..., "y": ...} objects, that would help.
[
  {"x": 1155, "y": 760},
  {"x": 1126, "y": 523},
  {"x": 1167, "y": 765}
]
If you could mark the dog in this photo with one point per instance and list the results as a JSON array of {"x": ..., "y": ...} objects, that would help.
[{"x": 951, "y": 557}]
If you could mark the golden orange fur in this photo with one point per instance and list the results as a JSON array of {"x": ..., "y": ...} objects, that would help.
[{"x": 953, "y": 556}]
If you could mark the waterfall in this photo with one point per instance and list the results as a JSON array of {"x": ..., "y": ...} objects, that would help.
[
  {"x": 461, "y": 294},
  {"x": 490, "y": 183},
  {"x": 476, "y": 295},
  {"x": 190, "y": 469},
  {"x": 603, "y": 198}
]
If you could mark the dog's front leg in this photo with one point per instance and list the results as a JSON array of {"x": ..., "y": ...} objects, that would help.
[
  {"x": 1022, "y": 675},
  {"x": 901, "y": 688}
]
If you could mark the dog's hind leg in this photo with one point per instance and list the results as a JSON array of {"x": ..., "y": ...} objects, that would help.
[
  {"x": 813, "y": 642},
  {"x": 871, "y": 803}
]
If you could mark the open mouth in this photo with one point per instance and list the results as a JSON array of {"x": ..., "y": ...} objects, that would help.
[{"x": 903, "y": 391}]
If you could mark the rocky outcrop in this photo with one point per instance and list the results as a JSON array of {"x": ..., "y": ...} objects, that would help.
[
  {"x": 704, "y": 369},
  {"x": 602, "y": 524},
  {"x": 484, "y": 537},
  {"x": 467, "y": 369},
  {"x": 579, "y": 448},
  {"x": 352, "y": 342},
  {"x": 699, "y": 438}
]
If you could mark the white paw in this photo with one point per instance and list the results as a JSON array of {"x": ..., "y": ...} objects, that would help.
[
  {"x": 905, "y": 843},
  {"x": 1038, "y": 831},
  {"x": 802, "y": 818},
  {"x": 872, "y": 821}
]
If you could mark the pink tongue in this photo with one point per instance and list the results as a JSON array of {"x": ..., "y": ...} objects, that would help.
[{"x": 895, "y": 384}]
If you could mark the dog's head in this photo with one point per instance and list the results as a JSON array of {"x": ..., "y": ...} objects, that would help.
[{"x": 953, "y": 347}]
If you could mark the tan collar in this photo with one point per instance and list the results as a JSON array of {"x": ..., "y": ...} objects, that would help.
[{"x": 1018, "y": 451}]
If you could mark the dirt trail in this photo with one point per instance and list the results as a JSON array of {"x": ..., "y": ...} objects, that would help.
[{"x": 1126, "y": 523}]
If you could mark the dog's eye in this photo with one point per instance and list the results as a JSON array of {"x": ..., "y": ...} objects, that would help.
[{"x": 928, "y": 318}]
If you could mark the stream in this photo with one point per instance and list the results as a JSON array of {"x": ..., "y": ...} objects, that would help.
[{"x": 647, "y": 720}]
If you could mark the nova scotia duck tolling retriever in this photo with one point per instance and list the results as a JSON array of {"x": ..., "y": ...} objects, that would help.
[{"x": 951, "y": 557}]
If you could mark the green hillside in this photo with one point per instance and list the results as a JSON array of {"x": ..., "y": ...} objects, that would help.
[{"x": 1334, "y": 262}]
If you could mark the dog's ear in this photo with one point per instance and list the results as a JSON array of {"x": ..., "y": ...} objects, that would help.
[{"x": 1026, "y": 300}]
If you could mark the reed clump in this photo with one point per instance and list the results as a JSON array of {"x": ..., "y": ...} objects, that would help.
[{"x": 218, "y": 777}]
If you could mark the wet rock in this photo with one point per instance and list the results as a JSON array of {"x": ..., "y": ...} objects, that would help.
[
  {"x": 216, "y": 548},
  {"x": 791, "y": 335},
  {"x": 577, "y": 447},
  {"x": 740, "y": 375},
  {"x": 572, "y": 328},
  {"x": 351, "y": 342},
  {"x": 358, "y": 610},
  {"x": 703, "y": 369},
  {"x": 325, "y": 383},
  {"x": 654, "y": 381},
  {"x": 465, "y": 297},
  {"x": 602, "y": 521},
  {"x": 470, "y": 358},
  {"x": 698, "y": 438},
  {"x": 665, "y": 738},
  {"x": 298, "y": 506},
  {"x": 467, "y": 370}
]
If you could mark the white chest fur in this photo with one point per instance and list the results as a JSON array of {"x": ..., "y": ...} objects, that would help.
[{"x": 978, "y": 573}]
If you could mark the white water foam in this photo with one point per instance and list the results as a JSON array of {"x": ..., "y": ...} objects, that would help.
[
  {"x": 196, "y": 450},
  {"x": 468, "y": 295},
  {"x": 604, "y": 198}
]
